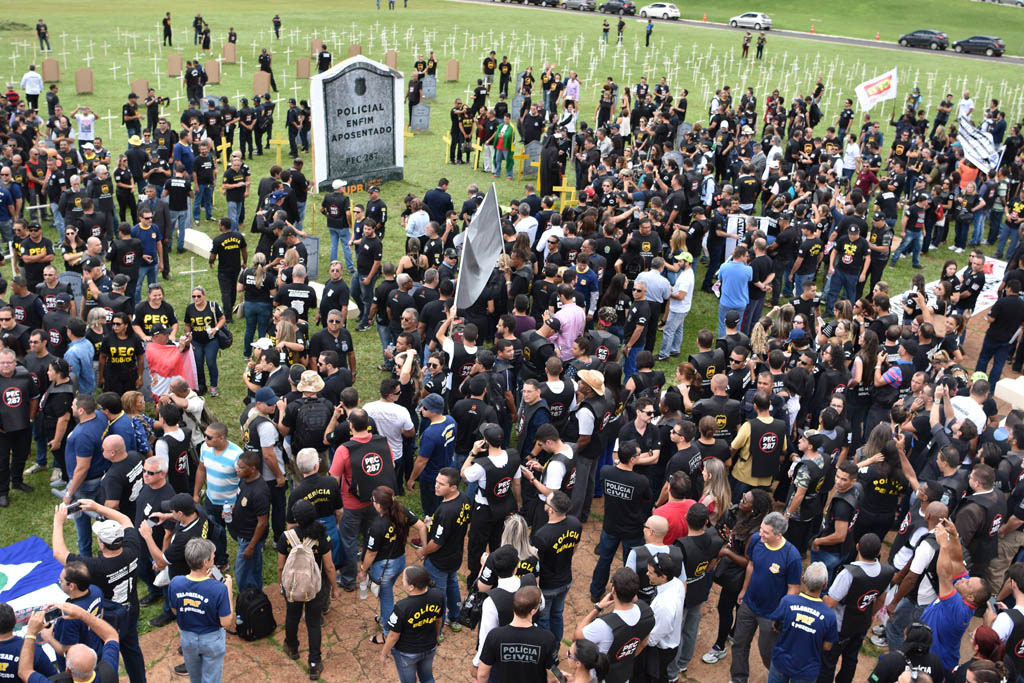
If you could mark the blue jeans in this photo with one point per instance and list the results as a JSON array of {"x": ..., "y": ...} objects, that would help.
[
  {"x": 58, "y": 219},
  {"x": 550, "y": 618},
  {"x": 911, "y": 242},
  {"x": 203, "y": 200},
  {"x": 1009, "y": 235},
  {"x": 672, "y": 336},
  {"x": 978, "y": 231},
  {"x": 830, "y": 559},
  {"x": 235, "y": 213},
  {"x": 218, "y": 532},
  {"x": 995, "y": 223},
  {"x": 353, "y": 523},
  {"x": 500, "y": 156},
  {"x": 7, "y": 230},
  {"x": 40, "y": 439},
  {"x": 997, "y": 353},
  {"x": 179, "y": 221},
  {"x": 204, "y": 655},
  {"x": 629, "y": 366},
  {"x": 342, "y": 236},
  {"x": 386, "y": 339},
  {"x": 606, "y": 548},
  {"x": 722, "y": 312},
  {"x": 905, "y": 613},
  {"x": 428, "y": 499},
  {"x": 147, "y": 271},
  {"x": 775, "y": 676},
  {"x": 798, "y": 283},
  {"x": 386, "y": 572},
  {"x": 362, "y": 295},
  {"x": 415, "y": 665},
  {"x": 330, "y": 523},
  {"x": 249, "y": 572},
  {"x": 83, "y": 522},
  {"x": 257, "y": 319},
  {"x": 206, "y": 353},
  {"x": 448, "y": 582},
  {"x": 841, "y": 282},
  {"x": 302, "y": 214}
]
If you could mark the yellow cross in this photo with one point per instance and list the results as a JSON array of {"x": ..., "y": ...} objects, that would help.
[
  {"x": 278, "y": 144},
  {"x": 521, "y": 158},
  {"x": 223, "y": 149},
  {"x": 447, "y": 146},
  {"x": 562, "y": 191},
  {"x": 476, "y": 160}
]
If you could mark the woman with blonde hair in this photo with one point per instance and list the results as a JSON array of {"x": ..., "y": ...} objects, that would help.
[
  {"x": 285, "y": 341},
  {"x": 96, "y": 329},
  {"x": 516, "y": 534},
  {"x": 717, "y": 493},
  {"x": 133, "y": 404},
  {"x": 284, "y": 267}
]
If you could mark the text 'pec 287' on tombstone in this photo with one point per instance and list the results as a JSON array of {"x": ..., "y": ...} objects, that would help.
[{"x": 358, "y": 124}]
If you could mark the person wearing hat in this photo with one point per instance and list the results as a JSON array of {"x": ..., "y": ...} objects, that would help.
[
  {"x": 848, "y": 263},
  {"x": 805, "y": 493},
  {"x": 247, "y": 123},
  {"x": 306, "y": 418},
  {"x": 913, "y": 230},
  {"x": 592, "y": 416},
  {"x": 130, "y": 116},
  {"x": 126, "y": 258},
  {"x": 377, "y": 210},
  {"x": 437, "y": 451},
  {"x": 338, "y": 210},
  {"x": 260, "y": 435},
  {"x": 114, "y": 573}
]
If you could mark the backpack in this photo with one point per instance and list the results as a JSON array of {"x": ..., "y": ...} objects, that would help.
[
  {"x": 311, "y": 423},
  {"x": 255, "y": 615},
  {"x": 300, "y": 578}
]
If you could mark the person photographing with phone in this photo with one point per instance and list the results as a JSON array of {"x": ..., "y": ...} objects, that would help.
[{"x": 85, "y": 664}]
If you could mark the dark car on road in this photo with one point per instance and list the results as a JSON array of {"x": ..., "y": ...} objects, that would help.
[
  {"x": 934, "y": 40},
  {"x": 981, "y": 45},
  {"x": 618, "y": 7}
]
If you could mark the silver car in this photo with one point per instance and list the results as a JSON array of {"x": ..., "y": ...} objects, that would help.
[
  {"x": 754, "y": 20},
  {"x": 588, "y": 5}
]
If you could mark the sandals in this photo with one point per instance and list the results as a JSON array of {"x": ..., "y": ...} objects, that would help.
[{"x": 378, "y": 639}]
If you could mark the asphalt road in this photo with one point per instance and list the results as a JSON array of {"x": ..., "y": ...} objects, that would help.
[{"x": 822, "y": 38}]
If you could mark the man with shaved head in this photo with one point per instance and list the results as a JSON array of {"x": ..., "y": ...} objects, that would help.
[
  {"x": 83, "y": 663},
  {"x": 655, "y": 529},
  {"x": 122, "y": 481}
]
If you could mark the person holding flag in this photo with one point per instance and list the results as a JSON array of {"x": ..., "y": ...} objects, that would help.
[
  {"x": 503, "y": 139},
  {"x": 167, "y": 361}
]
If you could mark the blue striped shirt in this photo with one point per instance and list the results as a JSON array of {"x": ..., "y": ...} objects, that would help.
[{"x": 221, "y": 478}]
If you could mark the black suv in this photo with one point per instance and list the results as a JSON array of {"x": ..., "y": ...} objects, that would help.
[{"x": 981, "y": 45}]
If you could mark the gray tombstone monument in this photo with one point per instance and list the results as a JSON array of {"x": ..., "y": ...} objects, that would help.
[
  {"x": 357, "y": 124},
  {"x": 420, "y": 117},
  {"x": 429, "y": 87},
  {"x": 312, "y": 245},
  {"x": 515, "y": 109},
  {"x": 533, "y": 149}
]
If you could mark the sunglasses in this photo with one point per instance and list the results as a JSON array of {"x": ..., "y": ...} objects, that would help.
[
  {"x": 647, "y": 412},
  {"x": 152, "y": 473}
]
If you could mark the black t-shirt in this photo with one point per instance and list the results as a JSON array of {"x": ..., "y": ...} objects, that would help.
[
  {"x": 556, "y": 543},
  {"x": 638, "y": 315},
  {"x": 518, "y": 654},
  {"x": 116, "y": 576},
  {"x": 416, "y": 620},
  {"x": 183, "y": 533},
  {"x": 199, "y": 321},
  {"x": 762, "y": 267},
  {"x": 1008, "y": 312},
  {"x": 252, "y": 502},
  {"x": 255, "y": 291},
  {"x": 627, "y": 501},
  {"x": 228, "y": 246},
  {"x": 299, "y": 297},
  {"x": 321, "y": 544},
  {"x": 382, "y": 537},
  {"x": 970, "y": 288},
  {"x": 123, "y": 483},
  {"x": 321, "y": 491},
  {"x": 370, "y": 250},
  {"x": 149, "y": 502},
  {"x": 850, "y": 254},
  {"x": 34, "y": 271},
  {"x": 336, "y": 205},
  {"x": 448, "y": 529},
  {"x": 892, "y": 665},
  {"x": 122, "y": 354}
]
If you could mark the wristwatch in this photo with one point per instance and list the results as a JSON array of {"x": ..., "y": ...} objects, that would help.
[{"x": 597, "y": 607}]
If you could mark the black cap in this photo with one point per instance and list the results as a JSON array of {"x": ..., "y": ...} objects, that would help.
[{"x": 180, "y": 502}]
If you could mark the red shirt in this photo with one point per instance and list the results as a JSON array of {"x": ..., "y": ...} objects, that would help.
[
  {"x": 674, "y": 512},
  {"x": 341, "y": 467}
]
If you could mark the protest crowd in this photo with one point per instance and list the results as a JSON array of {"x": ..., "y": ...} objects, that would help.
[{"x": 827, "y": 466}]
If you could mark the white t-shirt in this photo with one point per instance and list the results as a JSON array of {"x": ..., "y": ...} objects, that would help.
[
  {"x": 926, "y": 592},
  {"x": 841, "y": 585},
  {"x": 600, "y": 633},
  {"x": 1003, "y": 625},
  {"x": 850, "y": 155},
  {"x": 528, "y": 224},
  {"x": 475, "y": 472},
  {"x": 391, "y": 419},
  {"x": 964, "y": 108},
  {"x": 684, "y": 283},
  {"x": 966, "y": 408},
  {"x": 86, "y": 127}
]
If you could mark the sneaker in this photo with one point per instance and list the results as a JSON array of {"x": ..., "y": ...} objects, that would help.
[
  {"x": 714, "y": 655},
  {"x": 879, "y": 641},
  {"x": 316, "y": 670},
  {"x": 23, "y": 487},
  {"x": 55, "y": 476},
  {"x": 292, "y": 651},
  {"x": 181, "y": 669},
  {"x": 878, "y": 630},
  {"x": 363, "y": 328},
  {"x": 918, "y": 266},
  {"x": 213, "y": 391},
  {"x": 161, "y": 619},
  {"x": 151, "y": 599},
  {"x": 33, "y": 468},
  {"x": 455, "y": 626}
]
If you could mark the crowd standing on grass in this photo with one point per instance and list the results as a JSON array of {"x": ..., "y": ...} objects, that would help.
[{"x": 827, "y": 413}]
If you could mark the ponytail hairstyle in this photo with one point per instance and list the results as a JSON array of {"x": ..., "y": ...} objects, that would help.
[
  {"x": 391, "y": 509},
  {"x": 259, "y": 264},
  {"x": 591, "y": 658},
  {"x": 989, "y": 644},
  {"x": 988, "y": 671}
]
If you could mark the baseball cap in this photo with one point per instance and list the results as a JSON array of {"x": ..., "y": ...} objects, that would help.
[
  {"x": 854, "y": 228},
  {"x": 979, "y": 376},
  {"x": 432, "y": 402},
  {"x": 291, "y": 100},
  {"x": 685, "y": 256},
  {"x": 295, "y": 373},
  {"x": 88, "y": 145},
  {"x": 63, "y": 298},
  {"x": 120, "y": 280},
  {"x": 879, "y": 216},
  {"x": 265, "y": 395},
  {"x": 180, "y": 502},
  {"x": 108, "y": 531},
  {"x": 90, "y": 263},
  {"x": 814, "y": 437},
  {"x": 794, "y": 334},
  {"x": 158, "y": 329},
  {"x": 373, "y": 188},
  {"x": 132, "y": 96},
  {"x": 276, "y": 196},
  {"x": 451, "y": 253},
  {"x": 337, "y": 184},
  {"x": 732, "y": 317}
]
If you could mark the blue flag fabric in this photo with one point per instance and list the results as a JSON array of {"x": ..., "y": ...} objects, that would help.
[{"x": 26, "y": 566}]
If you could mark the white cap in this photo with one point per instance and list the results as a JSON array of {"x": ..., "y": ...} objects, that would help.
[
  {"x": 87, "y": 145},
  {"x": 108, "y": 531},
  {"x": 338, "y": 184}
]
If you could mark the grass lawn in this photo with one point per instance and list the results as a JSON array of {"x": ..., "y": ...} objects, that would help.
[{"x": 692, "y": 57}]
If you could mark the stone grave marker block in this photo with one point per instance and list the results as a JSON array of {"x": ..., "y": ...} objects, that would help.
[
  {"x": 140, "y": 86},
  {"x": 315, "y": 46},
  {"x": 533, "y": 149},
  {"x": 212, "y": 71},
  {"x": 312, "y": 264},
  {"x": 391, "y": 58},
  {"x": 261, "y": 82},
  {"x": 355, "y": 49},
  {"x": 515, "y": 108},
  {"x": 451, "y": 71},
  {"x": 51, "y": 70},
  {"x": 83, "y": 81},
  {"x": 420, "y": 117},
  {"x": 357, "y": 124},
  {"x": 302, "y": 67},
  {"x": 429, "y": 87},
  {"x": 229, "y": 53},
  {"x": 174, "y": 65}
]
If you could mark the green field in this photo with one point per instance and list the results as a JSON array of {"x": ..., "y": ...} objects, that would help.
[{"x": 696, "y": 58}]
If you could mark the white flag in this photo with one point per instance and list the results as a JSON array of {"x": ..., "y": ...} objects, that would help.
[
  {"x": 878, "y": 89},
  {"x": 978, "y": 146},
  {"x": 480, "y": 251}
]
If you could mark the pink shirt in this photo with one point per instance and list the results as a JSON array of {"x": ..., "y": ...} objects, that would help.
[{"x": 573, "y": 320}]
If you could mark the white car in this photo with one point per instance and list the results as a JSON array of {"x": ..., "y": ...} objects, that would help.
[
  {"x": 660, "y": 10},
  {"x": 754, "y": 20}
]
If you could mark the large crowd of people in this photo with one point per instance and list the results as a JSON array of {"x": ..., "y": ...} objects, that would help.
[{"x": 827, "y": 416}]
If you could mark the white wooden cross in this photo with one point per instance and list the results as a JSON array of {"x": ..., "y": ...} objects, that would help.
[
  {"x": 88, "y": 60},
  {"x": 177, "y": 98},
  {"x": 287, "y": 53},
  {"x": 113, "y": 69},
  {"x": 63, "y": 39},
  {"x": 254, "y": 47},
  {"x": 105, "y": 46},
  {"x": 239, "y": 66},
  {"x": 64, "y": 54},
  {"x": 192, "y": 272},
  {"x": 156, "y": 63},
  {"x": 149, "y": 44},
  {"x": 128, "y": 54},
  {"x": 75, "y": 41},
  {"x": 295, "y": 90},
  {"x": 128, "y": 73},
  {"x": 109, "y": 118}
]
